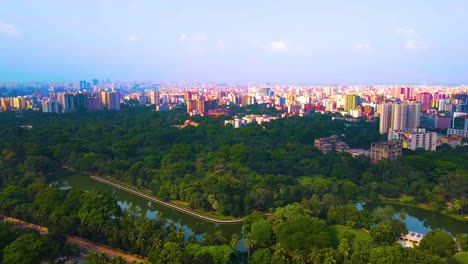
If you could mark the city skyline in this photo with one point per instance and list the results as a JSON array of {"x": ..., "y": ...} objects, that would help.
[{"x": 304, "y": 42}]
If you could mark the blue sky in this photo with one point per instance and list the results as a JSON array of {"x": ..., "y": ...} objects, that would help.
[{"x": 293, "y": 41}]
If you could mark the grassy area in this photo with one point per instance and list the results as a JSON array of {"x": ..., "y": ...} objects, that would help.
[
  {"x": 305, "y": 180},
  {"x": 462, "y": 257},
  {"x": 360, "y": 234}
]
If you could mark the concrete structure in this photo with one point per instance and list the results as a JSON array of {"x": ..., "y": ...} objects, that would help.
[
  {"x": 385, "y": 150},
  {"x": 412, "y": 238},
  {"x": 414, "y": 138},
  {"x": 329, "y": 144},
  {"x": 358, "y": 152}
]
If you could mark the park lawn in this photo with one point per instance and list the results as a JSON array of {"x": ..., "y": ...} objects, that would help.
[
  {"x": 360, "y": 234},
  {"x": 462, "y": 257}
]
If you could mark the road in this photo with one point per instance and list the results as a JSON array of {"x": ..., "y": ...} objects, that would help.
[{"x": 170, "y": 205}]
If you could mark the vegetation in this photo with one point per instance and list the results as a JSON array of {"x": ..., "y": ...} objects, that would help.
[{"x": 232, "y": 172}]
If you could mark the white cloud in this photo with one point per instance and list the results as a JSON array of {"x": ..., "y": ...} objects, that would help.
[
  {"x": 413, "y": 44},
  {"x": 278, "y": 46},
  {"x": 9, "y": 30},
  {"x": 362, "y": 47},
  {"x": 408, "y": 32},
  {"x": 182, "y": 37},
  {"x": 132, "y": 38},
  {"x": 413, "y": 40},
  {"x": 200, "y": 36},
  {"x": 220, "y": 45}
]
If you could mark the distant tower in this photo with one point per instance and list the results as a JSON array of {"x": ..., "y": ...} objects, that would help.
[
  {"x": 426, "y": 101},
  {"x": 385, "y": 111},
  {"x": 82, "y": 85}
]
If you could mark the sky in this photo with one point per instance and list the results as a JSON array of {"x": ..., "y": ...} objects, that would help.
[{"x": 241, "y": 41}]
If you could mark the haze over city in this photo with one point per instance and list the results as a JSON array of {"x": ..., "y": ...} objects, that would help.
[{"x": 303, "y": 42}]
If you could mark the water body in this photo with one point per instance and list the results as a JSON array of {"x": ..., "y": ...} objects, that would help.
[
  {"x": 190, "y": 224},
  {"x": 423, "y": 221},
  {"x": 417, "y": 220}
]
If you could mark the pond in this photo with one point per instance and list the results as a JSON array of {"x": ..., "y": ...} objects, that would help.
[
  {"x": 190, "y": 224},
  {"x": 423, "y": 221}
]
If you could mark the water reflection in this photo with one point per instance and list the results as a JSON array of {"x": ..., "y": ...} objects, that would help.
[
  {"x": 189, "y": 224},
  {"x": 422, "y": 221}
]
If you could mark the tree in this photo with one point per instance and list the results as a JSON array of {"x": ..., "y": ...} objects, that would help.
[
  {"x": 261, "y": 232},
  {"x": 344, "y": 250},
  {"x": 387, "y": 255},
  {"x": 97, "y": 208},
  {"x": 25, "y": 249},
  {"x": 235, "y": 240},
  {"x": 462, "y": 241},
  {"x": 303, "y": 233},
  {"x": 248, "y": 243},
  {"x": 383, "y": 234},
  {"x": 383, "y": 214},
  {"x": 438, "y": 242},
  {"x": 261, "y": 256}
]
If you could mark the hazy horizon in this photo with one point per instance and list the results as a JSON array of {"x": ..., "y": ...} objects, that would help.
[{"x": 304, "y": 42}]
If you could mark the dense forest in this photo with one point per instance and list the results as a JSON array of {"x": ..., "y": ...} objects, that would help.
[{"x": 271, "y": 167}]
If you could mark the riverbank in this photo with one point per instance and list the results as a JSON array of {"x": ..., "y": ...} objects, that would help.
[{"x": 110, "y": 181}]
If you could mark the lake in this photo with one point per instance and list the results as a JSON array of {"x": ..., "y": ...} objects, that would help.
[
  {"x": 190, "y": 224},
  {"x": 417, "y": 219}
]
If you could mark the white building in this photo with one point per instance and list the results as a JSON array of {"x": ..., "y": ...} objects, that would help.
[{"x": 414, "y": 138}]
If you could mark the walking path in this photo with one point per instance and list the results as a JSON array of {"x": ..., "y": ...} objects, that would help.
[
  {"x": 170, "y": 205},
  {"x": 83, "y": 244}
]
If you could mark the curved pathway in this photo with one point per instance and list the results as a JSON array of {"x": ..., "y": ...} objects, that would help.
[{"x": 170, "y": 205}]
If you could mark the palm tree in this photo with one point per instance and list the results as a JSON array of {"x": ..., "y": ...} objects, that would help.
[
  {"x": 248, "y": 244},
  {"x": 328, "y": 258},
  {"x": 314, "y": 256},
  {"x": 344, "y": 249},
  {"x": 297, "y": 257},
  {"x": 280, "y": 253},
  {"x": 235, "y": 241}
]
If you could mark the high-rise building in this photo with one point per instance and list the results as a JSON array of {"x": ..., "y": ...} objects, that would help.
[
  {"x": 94, "y": 101},
  {"x": 441, "y": 121},
  {"x": 113, "y": 100},
  {"x": 351, "y": 101},
  {"x": 399, "y": 116},
  {"x": 81, "y": 99},
  {"x": 50, "y": 106},
  {"x": 154, "y": 97},
  {"x": 459, "y": 125},
  {"x": 82, "y": 85},
  {"x": 426, "y": 101},
  {"x": 67, "y": 101}
]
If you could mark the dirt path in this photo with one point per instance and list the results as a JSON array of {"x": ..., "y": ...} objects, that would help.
[
  {"x": 170, "y": 205},
  {"x": 83, "y": 244},
  {"x": 86, "y": 245}
]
